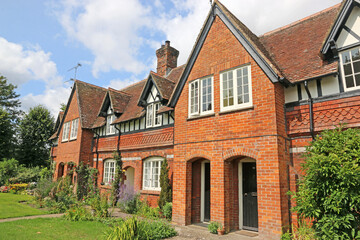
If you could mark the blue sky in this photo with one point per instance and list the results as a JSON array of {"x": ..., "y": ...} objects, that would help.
[{"x": 114, "y": 40}]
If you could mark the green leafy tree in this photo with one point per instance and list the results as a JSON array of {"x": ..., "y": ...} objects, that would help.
[
  {"x": 6, "y": 134},
  {"x": 165, "y": 194},
  {"x": 62, "y": 107},
  {"x": 329, "y": 192},
  {"x": 9, "y": 99},
  {"x": 35, "y": 129}
]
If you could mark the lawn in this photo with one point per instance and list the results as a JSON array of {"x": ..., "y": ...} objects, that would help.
[
  {"x": 51, "y": 228},
  {"x": 10, "y": 206}
]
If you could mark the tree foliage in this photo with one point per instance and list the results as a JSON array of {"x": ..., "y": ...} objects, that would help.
[
  {"x": 116, "y": 184},
  {"x": 35, "y": 129},
  {"x": 165, "y": 194},
  {"x": 8, "y": 98},
  {"x": 6, "y": 135},
  {"x": 329, "y": 192}
]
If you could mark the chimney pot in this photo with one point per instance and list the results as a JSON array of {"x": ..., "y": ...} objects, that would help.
[{"x": 167, "y": 43}]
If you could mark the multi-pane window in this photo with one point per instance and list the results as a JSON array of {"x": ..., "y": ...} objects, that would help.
[
  {"x": 351, "y": 68},
  {"x": 152, "y": 118},
  {"x": 74, "y": 129},
  {"x": 151, "y": 176},
  {"x": 236, "y": 88},
  {"x": 201, "y": 96},
  {"x": 149, "y": 115},
  {"x": 110, "y": 129},
  {"x": 66, "y": 128},
  {"x": 109, "y": 171}
]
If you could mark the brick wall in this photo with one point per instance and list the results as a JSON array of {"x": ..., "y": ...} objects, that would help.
[{"x": 225, "y": 138}]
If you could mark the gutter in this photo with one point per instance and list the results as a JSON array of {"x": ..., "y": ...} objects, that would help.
[{"x": 311, "y": 112}]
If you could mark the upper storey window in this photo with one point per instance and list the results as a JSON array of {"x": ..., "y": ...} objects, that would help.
[
  {"x": 152, "y": 118},
  {"x": 66, "y": 129},
  {"x": 110, "y": 129},
  {"x": 74, "y": 129},
  {"x": 201, "y": 100},
  {"x": 351, "y": 68},
  {"x": 235, "y": 89}
]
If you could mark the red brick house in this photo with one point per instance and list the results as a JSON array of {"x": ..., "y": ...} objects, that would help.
[{"x": 232, "y": 122}]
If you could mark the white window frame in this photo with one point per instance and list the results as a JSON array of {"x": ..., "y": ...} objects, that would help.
[
  {"x": 236, "y": 106},
  {"x": 352, "y": 68},
  {"x": 66, "y": 132},
  {"x": 200, "y": 93},
  {"x": 149, "y": 180},
  {"x": 110, "y": 129},
  {"x": 74, "y": 129},
  {"x": 151, "y": 115},
  {"x": 109, "y": 171}
]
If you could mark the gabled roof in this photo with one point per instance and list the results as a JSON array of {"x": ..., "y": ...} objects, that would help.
[
  {"x": 340, "y": 20},
  {"x": 296, "y": 47},
  {"x": 132, "y": 110},
  {"x": 249, "y": 41},
  {"x": 57, "y": 125},
  {"x": 90, "y": 98},
  {"x": 119, "y": 100}
]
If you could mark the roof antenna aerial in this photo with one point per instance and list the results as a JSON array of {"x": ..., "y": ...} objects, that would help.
[{"x": 76, "y": 67}]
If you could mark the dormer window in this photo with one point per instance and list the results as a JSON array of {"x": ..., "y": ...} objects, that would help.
[
  {"x": 110, "y": 129},
  {"x": 152, "y": 118},
  {"x": 350, "y": 69}
]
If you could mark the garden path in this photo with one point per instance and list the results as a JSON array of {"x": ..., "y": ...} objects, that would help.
[{"x": 31, "y": 217}]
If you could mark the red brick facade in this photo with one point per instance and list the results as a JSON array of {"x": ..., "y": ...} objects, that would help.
[{"x": 269, "y": 133}]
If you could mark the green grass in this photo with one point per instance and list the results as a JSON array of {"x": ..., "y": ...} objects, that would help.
[
  {"x": 51, "y": 228},
  {"x": 10, "y": 206}
]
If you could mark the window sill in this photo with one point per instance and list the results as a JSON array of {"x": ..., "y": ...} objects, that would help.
[
  {"x": 239, "y": 109},
  {"x": 150, "y": 192},
  {"x": 65, "y": 140},
  {"x": 200, "y": 116},
  {"x": 74, "y": 139}
]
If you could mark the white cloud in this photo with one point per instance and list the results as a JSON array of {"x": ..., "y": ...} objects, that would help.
[
  {"x": 20, "y": 65},
  {"x": 110, "y": 29},
  {"x": 51, "y": 99}
]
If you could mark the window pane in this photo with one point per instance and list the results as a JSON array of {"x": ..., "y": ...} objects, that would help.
[
  {"x": 206, "y": 94},
  {"x": 349, "y": 81},
  {"x": 246, "y": 98},
  {"x": 356, "y": 67},
  {"x": 345, "y": 57},
  {"x": 357, "y": 79},
  {"x": 347, "y": 69},
  {"x": 355, "y": 54}
]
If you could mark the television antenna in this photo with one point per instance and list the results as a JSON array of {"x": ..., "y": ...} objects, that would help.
[{"x": 74, "y": 68}]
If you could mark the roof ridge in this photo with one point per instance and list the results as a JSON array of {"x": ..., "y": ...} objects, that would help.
[
  {"x": 78, "y": 81},
  {"x": 132, "y": 85},
  {"x": 300, "y": 20},
  {"x": 158, "y": 75},
  {"x": 119, "y": 91}
]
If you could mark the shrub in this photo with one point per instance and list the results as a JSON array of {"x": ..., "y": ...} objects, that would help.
[
  {"x": 132, "y": 228},
  {"x": 78, "y": 213},
  {"x": 129, "y": 201},
  {"x": 167, "y": 211},
  {"x": 4, "y": 189},
  {"x": 44, "y": 187},
  {"x": 26, "y": 175},
  {"x": 329, "y": 192},
  {"x": 117, "y": 183},
  {"x": 214, "y": 226},
  {"x": 148, "y": 212},
  {"x": 165, "y": 193},
  {"x": 99, "y": 205},
  {"x": 86, "y": 181},
  {"x": 8, "y": 169}
]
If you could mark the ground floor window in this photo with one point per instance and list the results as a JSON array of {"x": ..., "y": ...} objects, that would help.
[
  {"x": 109, "y": 171},
  {"x": 151, "y": 176}
]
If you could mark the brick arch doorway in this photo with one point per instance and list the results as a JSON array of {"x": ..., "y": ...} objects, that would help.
[
  {"x": 129, "y": 178},
  {"x": 201, "y": 191},
  {"x": 60, "y": 170}
]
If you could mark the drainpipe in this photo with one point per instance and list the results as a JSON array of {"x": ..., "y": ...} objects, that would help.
[
  {"x": 97, "y": 156},
  {"x": 311, "y": 112},
  {"x": 118, "y": 141}
]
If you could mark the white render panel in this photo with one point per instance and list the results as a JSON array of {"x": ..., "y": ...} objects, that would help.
[
  {"x": 330, "y": 85},
  {"x": 312, "y": 88},
  {"x": 353, "y": 22},
  {"x": 291, "y": 94},
  {"x": 154, "y": 93}
]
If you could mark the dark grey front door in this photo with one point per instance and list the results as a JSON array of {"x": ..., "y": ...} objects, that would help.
[
  {"x": 207, "y": 192},
  {"x": 250, "y": 209}
]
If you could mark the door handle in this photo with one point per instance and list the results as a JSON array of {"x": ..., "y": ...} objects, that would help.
[{"x": 245, "y": 194}]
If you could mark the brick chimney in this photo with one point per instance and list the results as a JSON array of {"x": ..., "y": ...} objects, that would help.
[{"x": 166, "y": 59}]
